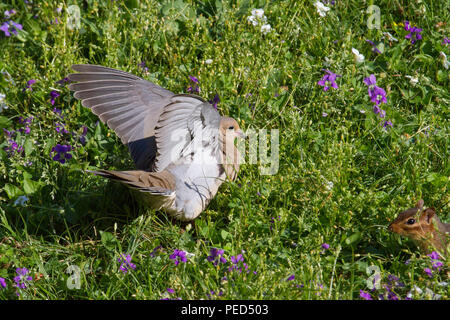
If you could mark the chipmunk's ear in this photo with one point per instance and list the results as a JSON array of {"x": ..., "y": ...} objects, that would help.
[
  {"x": 427, "y": 215},
  {"x": 419, "y": 204}
]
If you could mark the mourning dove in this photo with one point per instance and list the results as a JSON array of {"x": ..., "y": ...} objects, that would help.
[{"x": 182, "y": 147}]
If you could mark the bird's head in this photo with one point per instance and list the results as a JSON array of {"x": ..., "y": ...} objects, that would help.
[{"x": 230, "y": 128}]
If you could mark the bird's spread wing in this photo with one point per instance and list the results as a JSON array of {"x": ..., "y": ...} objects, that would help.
[
  {"x": 186, "y": 118},
  {"x": 128, "y": 104},
  {"x": 157, "y": 183}
]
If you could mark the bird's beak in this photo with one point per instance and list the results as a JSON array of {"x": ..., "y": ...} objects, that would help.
[{"x": 240, "y": 134}]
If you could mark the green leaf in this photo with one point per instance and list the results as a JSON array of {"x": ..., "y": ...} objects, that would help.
[
  {"x": 108, "y": 240},
  {"x": 353, "y": 239},
  {"x": 31, "y": 186},
  {"x": 441, "y": 76},
  {"x": 132, "y": 4},
  {"x": 28, "y": 147},
  {"x": 12, "y": 191},
  {"x": 4, "y": 122},
  {"x": 224, "y": 234}
]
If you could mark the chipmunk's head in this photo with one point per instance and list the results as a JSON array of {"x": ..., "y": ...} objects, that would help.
[{"x": 415, "y": 223}]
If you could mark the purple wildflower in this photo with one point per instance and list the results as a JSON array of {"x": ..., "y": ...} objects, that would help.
[
  {"x": 169, "y": 290},
  {"x": 153, "y": 253},
  {"x": 436, "y": 263},
  {"x": 14, "y": 27},
  {"x": 370, "y": 81},
  {"x": 328, "y": 80},
  {"x": 212, "y": 293},
  {"x": 392, "y": 280},
  {"x": 178, "y": 256},
  {"x": 63, "y": 81},
  {"x": 29, "y": 84},
  {"x": 365, "y": 295},
  {"x": 5, "y": 28},
  {"x": 61, "y": 153},
  {"x": 8, "y": 133},
  {"x": 414, "y": 33},
  {"x": 2, "y": 282},
  {"x": 58, "y": 112},
  {"x": 374, "y": 46},
  {"x": 434, "y": 255},
  {"x": 446, "y": 41},
  {"x": 428, "y": 272},
  {"x": 21, "y": 279},
  {"x": 292, "y": 277},
  {"x": 61, "y": 128},
  {"x": 385, "y": 126},
  {"x": 125, "y": 263},
  {"x": 216, "y": 256},
  {"x": 324, "y": 114},
  {"x": 27, "y": 130},
  {"x": 215, "y": 101},
  {"x": 236, "y": 259},
  {"x": 9, "y": 13},
  {"x": 142, "y": 65},
  {"x": 325, "y": 246},
  {"x": 195, "y": 88},
  {"x": 391, "y": 295},
  {"x": 26, "y": 120},
  {"x": 377, "y": 95},
  {"x": 272, "y": 219},
  {"x": 83, "y": 135},
  {"x": 53, "y": 95},
  {"x": 13, "y": 147}
]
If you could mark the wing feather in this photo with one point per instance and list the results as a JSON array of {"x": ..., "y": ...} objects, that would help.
[
  {"x": 128, "y": 104},
  {"x": 180, "y": 123}
]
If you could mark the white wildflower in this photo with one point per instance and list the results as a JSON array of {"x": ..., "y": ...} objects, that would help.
[
  {"x": 7, "y": 77},
  {"x": 73, "y": 17},
  {"x": 321, "y": 8},
  {"x": 329, "y": 185},
  {"x": 412, "y": 80},
  {"x": 2, "y": 102},
  {"x": 431, "y": 295},
  {"x": 257, "y": 17},
  {"x": 21, "y": 201},
  {"x": 443, "y": 57},
  {"x": 265, "y": 28},
  {"x": 253, "y": 20},
  {"x": 389, "y": 36},
  {"x": 258, "y": 13},
  {"x": 208, "y": 61},
  {"x": 358, "y": 56}
]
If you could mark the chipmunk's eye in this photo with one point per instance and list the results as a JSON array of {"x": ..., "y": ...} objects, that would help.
[
  {"x": 231, "y": 128},
  {"x": 411, "y": 221}
]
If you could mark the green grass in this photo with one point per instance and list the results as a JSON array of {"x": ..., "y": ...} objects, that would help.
[{"x": 73, "y": 218}]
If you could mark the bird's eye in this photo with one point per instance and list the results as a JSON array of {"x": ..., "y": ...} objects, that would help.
[
  {"x": 411, "y": 221},
  {"x": 231, "y": 128}
]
